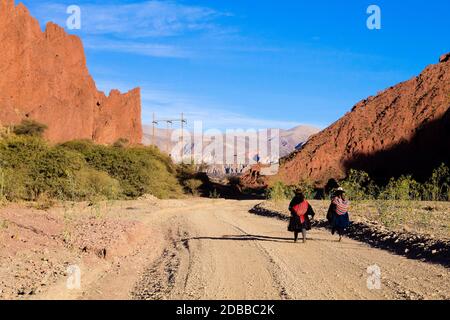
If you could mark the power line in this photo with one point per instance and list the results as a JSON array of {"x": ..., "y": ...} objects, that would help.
[{"x": 169, "y": 123}]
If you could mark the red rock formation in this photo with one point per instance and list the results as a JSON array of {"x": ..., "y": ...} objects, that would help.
[
  {"x": 43, "y": 76},
  {"x": 404, "y": 129},
  {"x": 252, "y": 178}
]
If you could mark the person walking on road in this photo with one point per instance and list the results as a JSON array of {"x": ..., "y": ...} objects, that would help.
[
  {"x": 338, "y": 215},
  {"x": 301, "y": 211}
]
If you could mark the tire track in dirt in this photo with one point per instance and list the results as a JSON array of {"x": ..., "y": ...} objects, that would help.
[
  {"x": 274, "y": 268},
  {"x": 285, "y": 276},
  {"x": 157, "y": 282}
]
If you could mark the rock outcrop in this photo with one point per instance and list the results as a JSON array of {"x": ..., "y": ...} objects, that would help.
[
  {"x": 44, "y": 77},
  {"x": 402, "y": 130},
  {"x": 444, "y": 58}
]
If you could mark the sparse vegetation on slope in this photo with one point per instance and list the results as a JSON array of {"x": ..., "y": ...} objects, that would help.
[
  {"x": 32, "y": 169},
  {"x": 360, "y": 186}
]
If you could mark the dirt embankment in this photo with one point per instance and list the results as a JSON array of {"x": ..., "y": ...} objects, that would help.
[{"x": 37, "y": 247}]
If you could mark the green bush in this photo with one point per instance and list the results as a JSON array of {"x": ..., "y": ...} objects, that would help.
[
  {"x": 357, "y": 185},
  {"x": 193, "y": 180},
  {"x": 307, "y": 188},
  {"x": 54, "y": 172},
  {"x": 280, "y": 192},
  {"x": 20, "y": 151},
  {"x": 96, "y": 185},
  {"x": 139, "y": 170},
  {"x": 403, "y": 188},
  {"x": 193, "y": 186},
  {"x": 18, "y": 158},
  {"x": 31, "y": 169},
  {"x": 30, "y": 128},
  {"x": 437, "y": 188},
  {"x": 14, "y": 184}
]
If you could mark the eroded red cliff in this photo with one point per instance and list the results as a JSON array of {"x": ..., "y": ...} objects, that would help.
[
  {"x": 44, "y": 77},
  {"x": 402, "y": 130}
]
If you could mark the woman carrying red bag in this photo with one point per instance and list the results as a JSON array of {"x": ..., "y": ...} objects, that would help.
[{"x": 301, "y": 211}]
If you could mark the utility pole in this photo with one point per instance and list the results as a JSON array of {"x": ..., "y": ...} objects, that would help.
[
  {"x": 168, "y": 127},
  {"x": 153, "y": 129},
  {"x": 169, "y": 123},
  {"x": 182, "y": 135}
]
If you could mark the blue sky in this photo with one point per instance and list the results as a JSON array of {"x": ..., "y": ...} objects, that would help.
[{"x": 254, "y": 64}]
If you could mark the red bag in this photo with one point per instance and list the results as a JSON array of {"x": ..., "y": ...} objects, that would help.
[{"x": 301, "y": 209}]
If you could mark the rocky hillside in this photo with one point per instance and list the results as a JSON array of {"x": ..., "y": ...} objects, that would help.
[
  {"x": 43, "y": 76},
  {"x": 404, "y": 129}
]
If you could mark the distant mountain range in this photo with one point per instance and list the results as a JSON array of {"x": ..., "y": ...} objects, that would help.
[
  {"x": 290, "y": 140},
  {"x": 295, "y": 138}
]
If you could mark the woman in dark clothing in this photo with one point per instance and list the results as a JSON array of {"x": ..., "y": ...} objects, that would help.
[
  {"x": 300, "y": 210},
  {"x": 338, "y": 215}
]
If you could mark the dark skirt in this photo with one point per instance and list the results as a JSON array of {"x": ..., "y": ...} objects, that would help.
[
  {"x": 341, "y": 221},
  {"x": 295, "y": 224}
]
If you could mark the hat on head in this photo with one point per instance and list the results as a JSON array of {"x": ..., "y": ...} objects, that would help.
[{"x": 339, "y": 190}]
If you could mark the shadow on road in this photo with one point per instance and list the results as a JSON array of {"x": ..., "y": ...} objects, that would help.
[{"x": 251, "y": 237}]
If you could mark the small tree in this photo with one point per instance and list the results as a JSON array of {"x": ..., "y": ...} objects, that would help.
[
  {"x": 193, "y": 186},
  {"x": 403, "y": 188},
  {"x": 30, "y": 128},
  {"x": 280, "y": 192},
  {"x": 438, "y": 185},
  {"x": 307, "y": 187},
  {"x": 356, "y": 185}
]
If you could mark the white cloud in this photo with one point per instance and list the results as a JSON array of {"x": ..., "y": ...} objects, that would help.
[
  {"x": 149, "y": 28},
  {"x": 137, "y": 20},
  {"x": 145, "y": 49}
]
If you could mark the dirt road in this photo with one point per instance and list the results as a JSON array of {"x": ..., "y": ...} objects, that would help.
[{"x": 216, "y": 249}]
